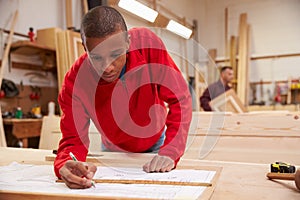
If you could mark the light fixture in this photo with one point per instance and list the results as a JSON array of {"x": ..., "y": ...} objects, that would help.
[
  {"x": 179, "y": 29},
  {"x": 138, "y": 9}
]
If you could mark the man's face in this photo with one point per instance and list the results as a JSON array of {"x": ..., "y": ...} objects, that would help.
[
  {"x": 227, "y": 75},
  {"x": 108, "y": 54}
]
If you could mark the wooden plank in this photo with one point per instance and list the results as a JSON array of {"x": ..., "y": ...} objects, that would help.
[
  {"x": 7, "y": 48},
  {"x": 47, "y": 37},
  {"x": 2, "y": 67},
  {"x": 85, "y": 8},
  {"x": 69, "y": 15},
  {"x": 226, "y": 35},
  {"x": 251, "y": 124},
  {"x": 242, "y": 79},
  {"x": 2, "y": 133},
  {"x": 69, "y": 48},
  {"x": 48, "y": 139},
  {"x": 15, "y": 33},
  {"x": 264, "y": 150},
  {"x": 211, "y": 66},
  {"x": 221, "y": 60},
  {"x": 275, "y": 56},
  {"x": 233, "y": 52},
  {"x": 197, "y": 87},
  {"x": 75, "y": 48},
  {"x": 61, "y": 57},
  {"x": 289, "y": 94}
]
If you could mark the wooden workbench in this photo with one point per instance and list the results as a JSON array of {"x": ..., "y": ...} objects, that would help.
[
  {"x": 261, "y": 137},
  {"x": 237, "y": 180},
  {"x": 23, "y": 129}
]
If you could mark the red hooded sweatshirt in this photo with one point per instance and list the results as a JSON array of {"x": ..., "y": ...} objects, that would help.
[{"x": 131, "y": 112}]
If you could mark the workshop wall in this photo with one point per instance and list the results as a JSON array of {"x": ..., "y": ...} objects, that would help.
[
  {"x": 274, "y": 30},
  {"x": 274, "y": 24}
]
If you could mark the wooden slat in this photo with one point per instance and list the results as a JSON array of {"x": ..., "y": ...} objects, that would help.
[
  {"x": 2, "y": 133},
  {"x": 3, "y": 65},
  {"x": 15, "y": 33},
  {"x": 69, "y": 14},
  {"x": 61, "y": 57},
  {"x": 289, "y": 95},
  {"x": 7, "y": 48},
  {"x": 275, "y": 56},
  {"x": 197, "y": 87},
  {"x": 226, "y": 34},
  {"x": 85, "y": 7},
  {"x": 211, "y": 67},
  {"x": 221, "y": 60},
  {"x": 233, "y": 52},
  {"x": 242, "y": 79}
]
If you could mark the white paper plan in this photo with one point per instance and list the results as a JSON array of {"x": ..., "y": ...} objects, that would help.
[{"x": 41, "y": 179}]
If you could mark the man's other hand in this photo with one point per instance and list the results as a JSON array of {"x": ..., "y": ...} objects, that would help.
[{"x": 159, "y": 164}]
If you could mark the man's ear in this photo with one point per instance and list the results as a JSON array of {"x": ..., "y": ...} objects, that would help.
[{"x": 128, "y": 42}]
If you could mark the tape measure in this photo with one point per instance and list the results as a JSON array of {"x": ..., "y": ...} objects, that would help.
[{"x": 281, "y": 167}]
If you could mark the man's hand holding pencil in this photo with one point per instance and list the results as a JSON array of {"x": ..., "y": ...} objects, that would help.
[{"x": 78, "y": 175}]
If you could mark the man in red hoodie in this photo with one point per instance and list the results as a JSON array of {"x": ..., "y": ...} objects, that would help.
[{"x": 122, "y": 83}]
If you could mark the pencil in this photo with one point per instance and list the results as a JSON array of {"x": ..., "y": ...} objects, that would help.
[{"x": 75, "y": 159}]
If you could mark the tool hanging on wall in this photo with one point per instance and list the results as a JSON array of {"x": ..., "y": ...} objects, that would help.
[
  {"x": 38, "y": 78},
  {"x": 35, "y": 93}
]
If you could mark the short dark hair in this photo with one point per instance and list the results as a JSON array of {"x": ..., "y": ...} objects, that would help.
[
  {"x": 101, "y": 21},
  {"x": 224, "y": 68}
]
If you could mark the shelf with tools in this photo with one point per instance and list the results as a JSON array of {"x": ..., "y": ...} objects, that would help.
[{"x": 44, "y": 55}]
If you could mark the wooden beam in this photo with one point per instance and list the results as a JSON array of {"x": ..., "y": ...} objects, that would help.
[
  {"x": 15, "y": 33},
  {"x": 7, "y": 48},
  {"x": 69, "y": 15},
  {"x": 289, "y": 94},
  {"x": 211, "y": 67},
  {"x": 233, "y": 52},
  {"x": 226, "y": 52},
  {"x": 242, "y": 78},
  {"x": 3, "y": 65},
  {"x": 154, "y": 5},
  {"x": 275, "y": 56},
  {"x": 218, "y": 60},
  {"x": 85, "y": 7},
  {"x": 2, "y": 133}
]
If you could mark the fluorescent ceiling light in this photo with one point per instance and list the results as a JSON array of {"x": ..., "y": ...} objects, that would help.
[
  {"x": 138, "y": 9},
  {"x": 179, "y": 29}
]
